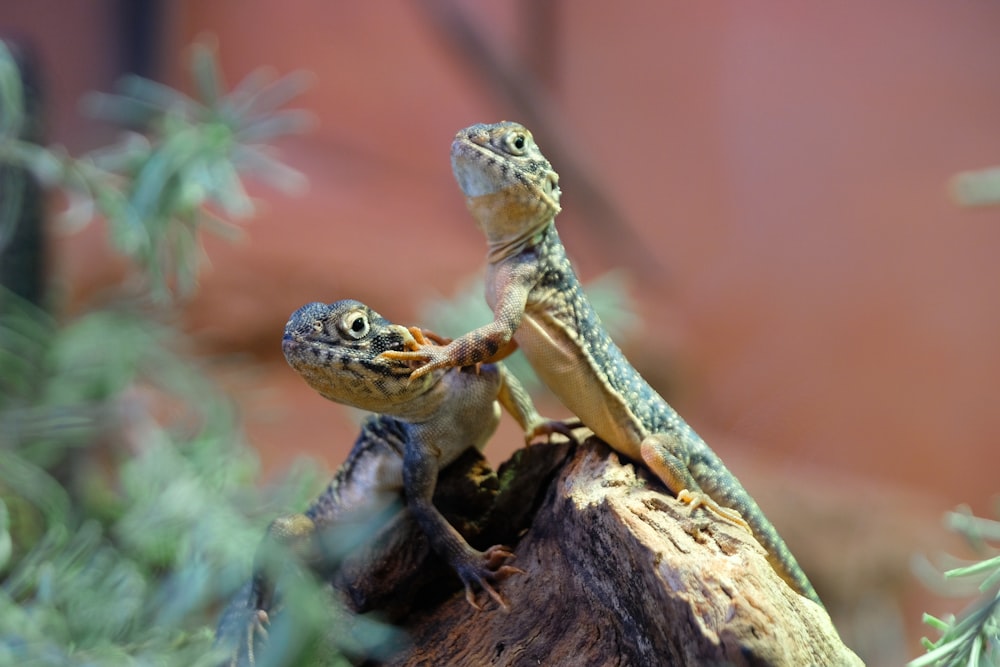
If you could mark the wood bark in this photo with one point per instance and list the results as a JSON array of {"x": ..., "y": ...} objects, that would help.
[{"x": 617, "y": 572}]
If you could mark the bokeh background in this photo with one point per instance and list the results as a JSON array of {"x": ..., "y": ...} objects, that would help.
[{"x": 771, "y": 179}]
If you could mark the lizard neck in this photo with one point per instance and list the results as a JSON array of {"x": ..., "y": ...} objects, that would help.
[
  {"x": 511, "y": 221},
  {"x": 498, "y": 251},
  {"x": 423, "y": 404}
]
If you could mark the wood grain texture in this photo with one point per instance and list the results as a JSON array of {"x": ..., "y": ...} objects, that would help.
[
  {"x": 616, "y": 572},
  {"x": 619, "y": 573}
]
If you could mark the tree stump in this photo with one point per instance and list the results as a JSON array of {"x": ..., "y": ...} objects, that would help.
[{"x": 616, "y": 572}]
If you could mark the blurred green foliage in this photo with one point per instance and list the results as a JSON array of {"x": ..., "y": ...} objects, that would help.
[
  {"x": 973, "y": 639},
  {"x": 177, "y": 167},
  {"x": 976, "y": 188},
  {"x": 128, "y": 508},
  {"x": 129, "y": 513}
]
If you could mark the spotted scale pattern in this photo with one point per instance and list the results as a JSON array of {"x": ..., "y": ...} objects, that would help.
[
  {"x": 425, "y": 424},
  {"x": 498, "y": 167},
  {"x": 567, "y": 302},
  {"x": 349, "y": 336}
]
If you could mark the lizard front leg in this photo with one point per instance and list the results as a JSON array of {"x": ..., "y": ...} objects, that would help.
[
  {"x": 667, "y": 456},
  {"x": 483, "y": 345},
  {"x": 488, "y": 343},
  {"x": 289, "y": 533},
  {"x": 480, "y": 568}
]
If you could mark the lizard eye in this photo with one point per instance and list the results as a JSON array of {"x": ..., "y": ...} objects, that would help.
[
  {"x": 355, "y": 324},
  {"x": 516, "y": 142}
]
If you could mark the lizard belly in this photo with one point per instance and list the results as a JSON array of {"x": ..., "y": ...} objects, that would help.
[
  {"x": 563, "y": 364},
  {"x": 475, "y": 413}
]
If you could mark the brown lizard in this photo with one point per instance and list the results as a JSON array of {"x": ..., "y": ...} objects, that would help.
[
  {"x": 423, "y": 426},
  {"x": 337, "y": 349},
  {"x": 538, "y": 305},
  {"x": 362, "y": 489}
]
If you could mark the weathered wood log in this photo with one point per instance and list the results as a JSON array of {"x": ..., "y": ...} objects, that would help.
[{"x": 618, "y": 572}]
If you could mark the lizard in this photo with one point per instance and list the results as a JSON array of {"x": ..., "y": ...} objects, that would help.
[
  {"x": 538, "y": 305},
  {"x": 336, "y": 348},
  {"x": 361, "y": 489}
]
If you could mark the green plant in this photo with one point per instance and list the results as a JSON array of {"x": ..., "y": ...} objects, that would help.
[
  {"x": 974, "y": 638},
  {"x": 177, "y": 168},
  {"x": 128, "y": 507},
  {"x": 976, "y": 188}
]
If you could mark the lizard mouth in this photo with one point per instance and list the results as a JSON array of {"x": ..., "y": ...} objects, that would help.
[{"x": 466, "y": 158}]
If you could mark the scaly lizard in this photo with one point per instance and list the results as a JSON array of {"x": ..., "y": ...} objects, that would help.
[
  {"x": 423, "y": 427},
  {"x": 362, "y": 488},
  {"x": 538, "y": 305},
  {"x": 337, "y": 349}
]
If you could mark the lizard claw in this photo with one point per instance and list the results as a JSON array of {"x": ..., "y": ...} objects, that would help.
[
  {"x": 423, "y": 351},
  {"x": 416, "y": 338},
  {"x": 696, "y": 500},
  {"x": 261, "y": 621},
  {"x": 424, "y": 356},
  {"x": 491, "y": 569},
  {"x": 423, "y": 335},
  {"x": 256, "y": 631}
]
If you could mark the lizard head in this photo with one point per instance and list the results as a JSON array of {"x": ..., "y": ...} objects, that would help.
[
  {"x": 335, "y": 348},
  {"x": 510, "y": 188}
]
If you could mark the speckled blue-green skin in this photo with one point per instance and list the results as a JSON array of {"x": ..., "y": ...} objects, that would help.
[{"x": 537, "y": 299}]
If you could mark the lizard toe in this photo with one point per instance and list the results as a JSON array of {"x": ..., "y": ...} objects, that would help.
[
  {"x": 486, "y": 569},
  {"x": 261, "y": 621},
  {"x": 497, "y": 555},
  {"x": 696, "y": 500},
  {"x": 470, "y": 597},
  {"x": 551, "y": 426}
]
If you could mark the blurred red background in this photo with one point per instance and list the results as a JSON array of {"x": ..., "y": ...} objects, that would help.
[{"x": 813, "y": 302}]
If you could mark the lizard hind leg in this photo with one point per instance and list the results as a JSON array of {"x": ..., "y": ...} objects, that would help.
[
  {"x": 515, "y": 399},
  {"x": 659, "y": 453}
]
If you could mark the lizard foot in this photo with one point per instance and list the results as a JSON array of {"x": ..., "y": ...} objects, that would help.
[
  {"x": 415, "y": 338},
  {"x": 696, "y": 500},
  {"x": 256, "y": 631},
  {"x": 547, "y": 427},
  {"x": 428, "y": 352},
  {"x": 485, "y": 569},
  {"x": 429, "y": 357},
  {"x": 424, "y": 337}
]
